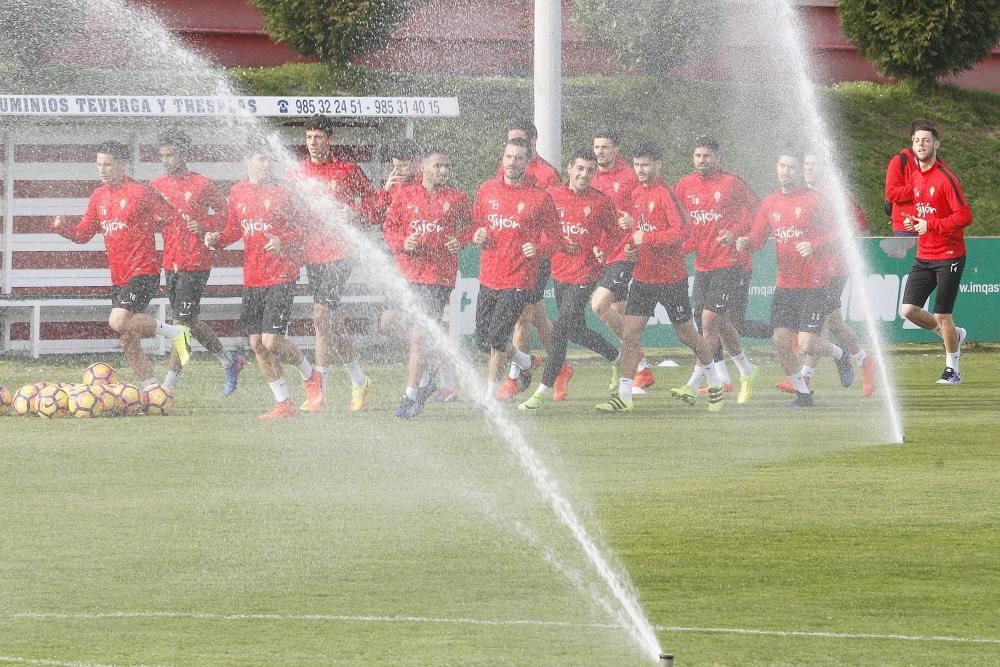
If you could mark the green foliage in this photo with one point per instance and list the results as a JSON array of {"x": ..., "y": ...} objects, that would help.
[
  {"x": 333, "y": 30},
  {"x": 651, "y": 35},
  {"x": 921, "y": 40},
  {"x": 30, "y": 32}
]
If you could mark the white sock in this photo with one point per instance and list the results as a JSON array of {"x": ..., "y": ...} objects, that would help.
[
  {"x": 411, "y": 393},
  {"x": 951, "y": 360},
  {"x": 305, "y": 369},
  {"x": 860, "y": 356},
  {"x": 514, "y": 372},
  {"x": 625, "y": 389},
  {"x": 836, "y": 352},
  {"x": 544, "y": 389},
  {"x": 742, "y": 363},
  {"x": 167, "y": 330},
  {"x": 722, "y": 371},
  {"x": 170, "y": 382},
  {"x": 147, "y": 382},
  {"x": 324, "y": 373},
  {"x": 799, "y": 382},
  {"x": 357, "y": 375},
  {"x": 713, "y": 376},
  {"x": 696, "y": 376},
  {"x": 643, "y": 363},
  {"x": 280, "y": 389},
  {"x": 225, "y": 358},
  {"x": 807, "y": 372},
  {"x": 522, "y": 359}
]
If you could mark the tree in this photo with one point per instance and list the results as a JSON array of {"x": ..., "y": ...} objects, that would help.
[
  {"x": 921, "y": 41},
  {"x": 333, "y": 30},
  {"x": 653, "y": 35}
]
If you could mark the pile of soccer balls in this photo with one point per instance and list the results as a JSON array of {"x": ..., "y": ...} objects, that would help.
[{"x": 100, "y": 394}]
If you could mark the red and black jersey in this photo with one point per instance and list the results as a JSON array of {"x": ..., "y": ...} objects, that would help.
[
  {"x": 378, "y": 204},
  {"x": 128, "y": 215},
  {"x": 658, "y": 212},
  {"x": 347, "y": 184},
  {"x": 938, "y": 199},
  {"x": 790, "y": 218},
  {"x": 722, "y": 201},
  {"x": 197, "y": 198},
  {"x": 589, "y": 219},
  {"x": 435, "y": 218},
  {"x": 539, "y": 173},
  {"x": 256, "y": 213},
  {"x": 512, "y": 216},
  {"x": 897, "y": 186}
]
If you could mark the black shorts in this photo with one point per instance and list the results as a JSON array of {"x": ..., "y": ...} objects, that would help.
[
  {"x": 717, "y": 290},
  {"x": 497, "y": 311},
  {"x": 836, "y": 289},
  {"x": 800, "y": 309},
  {"x": 326, "y": 281},
  {"x": 544, "y": 272},
  {"x": 945, "y": 275},
  {"x": 267, "y": 310},
  {"x": 643, "y": 297},
  {"x": 136, "y": 294},
  {"x": 615, "y": 278},
  {"x": 433, "y": 298},
  {"x": 184, "y": 289}
]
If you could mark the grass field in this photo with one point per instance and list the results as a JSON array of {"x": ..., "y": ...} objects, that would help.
[{"x": 758, "y": 536}]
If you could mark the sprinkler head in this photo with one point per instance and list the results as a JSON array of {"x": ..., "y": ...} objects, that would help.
[{"x": 667, "y": 659}]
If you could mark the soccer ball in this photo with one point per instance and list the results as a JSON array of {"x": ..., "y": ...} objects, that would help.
[
  {"x": 52, "y": 402},
  {"x": 84, "y": 403},
  {"x": 128, "y": 399},
  {"x": 25, "y": 401},
  {"x": 100, "y": 373},
  {"x": 157, "y": 400},
  {"x": 5, "y": 399},
  {"x": 106, "y": 397}
]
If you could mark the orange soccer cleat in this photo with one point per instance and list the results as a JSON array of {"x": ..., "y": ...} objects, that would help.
[
  {"x": 508, "y": 390},
  {"x": 644, "y": 379},
  {"x": 281, "y": 410},
  {"x": 562, "y": 383},
  {"x": 314, "y": 393},
  {"x": 869, "y": 370}
]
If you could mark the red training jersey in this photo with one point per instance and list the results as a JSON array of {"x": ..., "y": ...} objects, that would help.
[
  {"x": 347, "y": 184},
  {"x": 938, "y": 199},
  {"x": 658, "y": 212},
  {"x": 196, "y": 198},
  {"x": 617, "y": 183},
  {"x": 378, "y": 204},
  {"x": 589, "y": 219},
  {"x": 539, "y": 173},
  {"x": 897, "y": 187},
  {"x": 858, "y": 219},
  {"x": 512, "y": 216},
  {"x": 722, "y": 201},
  {"x": 128, "y": 215},
  {"x": 790, "y": 218},
  {"x": 256, "y": 213},
  {"x": 435, "y": 218}
]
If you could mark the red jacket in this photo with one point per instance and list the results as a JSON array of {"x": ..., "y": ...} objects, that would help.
[
  {"x": 790, "y": 218},
  {"x": 257, "y": 212},
  {"x": 197, "y": 198},
  {"x": 897, "y": 186},
  {"x": 514, "y": 215},
  {"x": 588, "y": 218},
  {"x": 379, "y": 202},
  {"x": 721, "y": 201},
  {"x": 938, "y": 199},
  {"x": 129, "y": 215},
  {"x": 349, "y": 185},
  {"x": 617, "y": 183},
  {"x": 436, "y": 217},
  {"x": 658, "y": 212},
  {"x": 539, "y": 173}
]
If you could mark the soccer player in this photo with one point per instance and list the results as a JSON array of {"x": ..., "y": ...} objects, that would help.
[
  {"x": 659, "y": 276},
  {"x": 186, "y": 261},
  {"x": 129, "y": 214},
  {"x": 589, "y": 223},
  {"x": 262, "y": 214},
  {"x": 720, "y": 208},
  {"x": 404, "y": 155},
  {"x": 423, "y": 228},
  {"x": 898, "y": 193},
  {"x": 515, "y": 224},
  {"x": 326, "y": 258},
  {"x": 799, "y": 221},
  {"x": 941, "y": 214}
]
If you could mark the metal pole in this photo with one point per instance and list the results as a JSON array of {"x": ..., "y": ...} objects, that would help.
[
  {"x": 548, "y": 79},
  {"x": 8, "y": 213}
]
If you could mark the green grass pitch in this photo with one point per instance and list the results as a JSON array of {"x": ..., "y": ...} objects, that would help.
[{"x": 758, "y": 536}]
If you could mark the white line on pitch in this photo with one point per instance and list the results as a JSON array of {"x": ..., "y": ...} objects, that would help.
[
  {"x": 828, "y": 635},
  {"x": 47, "y": 663}
]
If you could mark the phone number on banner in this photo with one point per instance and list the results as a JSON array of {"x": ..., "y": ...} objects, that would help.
[{"x": 361, "y": 106}]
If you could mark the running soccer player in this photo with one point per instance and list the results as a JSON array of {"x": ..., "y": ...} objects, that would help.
[
  {"x": 186, "y": 261},
  {"x": 589, "y": 223},
  {"x": 262, "y": 214},
  {"x": 128, "y": 214},
  {"x": 799, "y": 221},
  {"x": 898, "y": 192},
  {"x": 326, "y": 258},
  {"x": 720, "y": 208},
  {"x": 423, "y": 229},
  {"x": 659, "y": 276},
  {"x": 404, "y": 155},
  {"x": 941, "y": 214},
  {"x": 515, "y": 224}
]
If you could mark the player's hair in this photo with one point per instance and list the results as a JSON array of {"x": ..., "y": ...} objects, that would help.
[
  {"x": 255, "y": 144},
  {"x": 924, "y": 125},
  {"x": 116, "y": 149},
  {"x": 525, "y": 125},
  {"x": 705, "y": 141},
  {"x": 648, "y": 149},
  {"x": 319, "y": 122},
  {"x": 608, "y": 133},
  {"x": 176, "y": 138},
  {"x": 519, "y": 142},
  {"x": 432, "y": 149},
  {"x": 582, "y": 154},
  {"x": 791, "y": 151},
  {"x": 404, "y": 149}
]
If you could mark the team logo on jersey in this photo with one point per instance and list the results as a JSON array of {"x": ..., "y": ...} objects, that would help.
[
  {"x": 586, "y": 211},
  {"x": 561, "y": 211},
  {"x": 243, "y": 208},
  {"x": 122, "y": 204},
  {"x": 573, "y": 229},
  {"x": 421, "y": 227},
  {"x": 784, "y": 234},
  {"x": 705, "y": 217},
  {"x": 187, "y": 197},
  {"x": 916, "y": 192},
  {"x": 652, "y": 205},
  {"x": 446, "y": 207},
  {"x": 267, "y": 204},
  {"x": 520, "y": 207},
  {"x": 718, "y": 196},
  {"x": 932, "y": 191},
  {"x": 776, "y": 217},
  {"x": 494, "y": 204},
  {"x": 112, "y": 226},
  {"x": 924, "y": 210},
  {"x": 500, "y": 222},
  {"x": 250, "y": 227},
  {"x": 798, "y": 212},
  {"x": 646, "y": 227},
  {"x": 104, "y": 211},
  {"x": 616, "y": 186}
]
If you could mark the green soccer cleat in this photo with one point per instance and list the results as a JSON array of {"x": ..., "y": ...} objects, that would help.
[
  {"x": 613, "y": 385},
  {"x": 534, "y": 402},
  {"x": 746, "y": 386},
  {"x": 182, "y": 343},
  {"x": 614, "y": 404},
  {"x": 684, "y": 393},
  {"x": 716, "y": 397}
]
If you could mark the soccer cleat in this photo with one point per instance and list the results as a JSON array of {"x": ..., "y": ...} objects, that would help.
[
  {"x": 562, "y": 383},
  {"x": 281, "y": 410},
  {"x": 534, "y": 402},
  {"x": 508, "y": 390},
  {"x": 424, "y": 393},
  {"x": 524, "y": 379},
  {"x": 715, "y": 398},
  {"x": 644, "y": 379},
  {"x": 845, "y": 369},
  {"x": 615, "y": 377},
  {"x": 408, "y": 408},
  {"x": 182, "y": 343},
  {"x": 869, "y": 371},
  {"x": 444, "y": 395},
  {"x": 785, "y": 386},
  {"x": 685, "y": 394},
  {"x": 801, "y": 401},
  {"x": 746, "y": 385},
  {"x": 233, "y": 374},
  {"x": 615, "y": 404},
  {"x": 314, "y": 393},
  {"x": 359, "y": 396},
  {"x": 727, "y": 388},
  {"x": 950, "y": 376}
]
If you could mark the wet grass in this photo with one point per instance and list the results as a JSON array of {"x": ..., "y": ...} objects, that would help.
[{"x": 210, "y": 538}]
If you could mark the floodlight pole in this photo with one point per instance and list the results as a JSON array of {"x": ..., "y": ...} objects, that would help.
[{"x": 548, "y": 79}]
